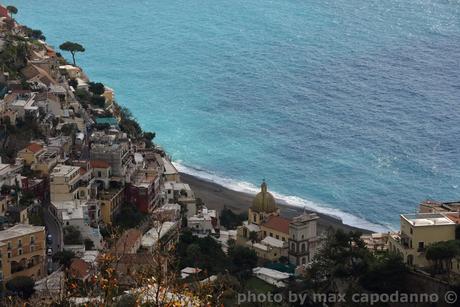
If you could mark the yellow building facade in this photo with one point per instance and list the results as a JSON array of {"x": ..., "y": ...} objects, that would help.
[
  {"x": 22, "y": 252},
  {"x": 417, "y": 232},
  {"x": 110, "y": 203}
]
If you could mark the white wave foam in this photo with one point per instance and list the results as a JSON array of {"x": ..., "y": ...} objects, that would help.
[{"x": 246, "y": 187}]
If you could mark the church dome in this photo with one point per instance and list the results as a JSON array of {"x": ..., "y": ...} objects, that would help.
[{"x": 264, "y": 201}]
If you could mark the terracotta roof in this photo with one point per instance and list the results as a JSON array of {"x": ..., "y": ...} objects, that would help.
[
  {"x": 128, "y": 240},
  {"x": 32, "y": 71},
  {"x": 136, "y": 259},
  {"x": 34, "y": 147},
  {"x": 277, "y": 223},
  {"x": 79, "y": 268},
  {"x": 99, "y": 164},
  {"x": 454, "y": 217}
]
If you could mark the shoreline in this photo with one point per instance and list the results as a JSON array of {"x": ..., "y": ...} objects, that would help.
[{"x": 216, "y": 196}]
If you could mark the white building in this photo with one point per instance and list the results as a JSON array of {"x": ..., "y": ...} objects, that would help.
[
  {"x": 272, "y": 277},
  {"x": 205, "y": 222},
  {"x": 70, "y": 182},
  {"x": 170, "y": 212},
  {"x": 76, "y": 213},
  {"x": 10, "y": 174},
  {"x": 25, "y": 104},
  {"x": 180, "y": 192},
  {"x": 167, "y": 232}
]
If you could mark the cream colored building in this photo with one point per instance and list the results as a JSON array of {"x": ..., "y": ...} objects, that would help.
[
  {"x": 70, "y": 182},
  {"x": 31, "y": 153},
  {"x": 269, "y": 248},
  {"x": 22, "y": 249},
  {"x": 45, "y": 162},
  {"x": 273, "y": 236},
  {"x": 417, "y": 232}
]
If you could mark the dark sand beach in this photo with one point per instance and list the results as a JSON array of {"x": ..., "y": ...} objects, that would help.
[{"x": 216, "y": 197}]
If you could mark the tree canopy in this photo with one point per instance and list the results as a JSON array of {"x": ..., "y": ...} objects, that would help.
[
  {"x": 64, "y": 257},
  {"x": 230, "y": 220},
  {"x": 22, "y": 286},
  {"x": 96, "y": 88},
  {"x": 72, "y": 235},
  {"x": 12, "y": 10},
  {"x": 72, "y": 48},
  {"x": 442, "y": 253}
]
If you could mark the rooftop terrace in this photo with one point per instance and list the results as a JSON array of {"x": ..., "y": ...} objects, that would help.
[{"x": 427, "y": 219}]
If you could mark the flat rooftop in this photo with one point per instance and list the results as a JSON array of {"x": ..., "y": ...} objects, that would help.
[
  {"x": 64, "y": 170},
  {"x": 427, "y": 219},
  {"x": 19, "y": 230},
  {"x": 169, "y": 167}
]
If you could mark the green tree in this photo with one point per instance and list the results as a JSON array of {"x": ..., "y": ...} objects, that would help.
[
  {"x": 230, "y": 220},
  {"x": 129, "y": 216},
  {"x": 98, "y": 101},
  {"x": 73, "y": 48},
  {"x": 386, "y": 274},
  {"x": 193, "y": 253},
  {"x": 148, "y": 139},
  {"x": 22, "y": 286},
  {"x": 96, "y": 88},
  {"x": 243, "y": 260},
  {"x": 127, "y": 300},
  {"x": 442, "y": 253},
  {"x": 64, "y": 257},
  {"x": 72, "y": 235},
  {"x": 12, "y": 10},
  {"x": 89, "y": 244},
  {"x": 343, "y": 256}
]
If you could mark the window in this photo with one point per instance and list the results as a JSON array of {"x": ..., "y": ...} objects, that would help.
[
  {"x": 411, "y": 231},
  {"x": 99, "y": 174},
  {"x": 283, "y": 239},
  {"x": 9, "y": 254},
  {"x": 32, "y": 248},
  {"x": 20, "y": 251},
  {"x": 32, "y": 239},
  {"x": 9, "y": 245},
  {"x": 265, "y": 233},
  {"x": 19, "y": 243},
  {"x": 421, "y": 245},
  {"x": 278, "y": 237},
  {"x": 271, "y": 234}
]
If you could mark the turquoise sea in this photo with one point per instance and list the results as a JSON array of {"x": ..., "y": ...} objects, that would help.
[{"x": 351, "y": 107}]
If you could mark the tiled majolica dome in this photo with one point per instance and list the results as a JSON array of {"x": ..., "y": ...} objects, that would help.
[{"x": 264, "y": 201}]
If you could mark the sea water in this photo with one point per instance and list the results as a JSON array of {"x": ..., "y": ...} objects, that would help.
[{"x": 350, "y": 107}]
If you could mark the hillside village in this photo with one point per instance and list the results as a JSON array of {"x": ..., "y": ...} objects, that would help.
[{"x": 92, "y": 211}]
